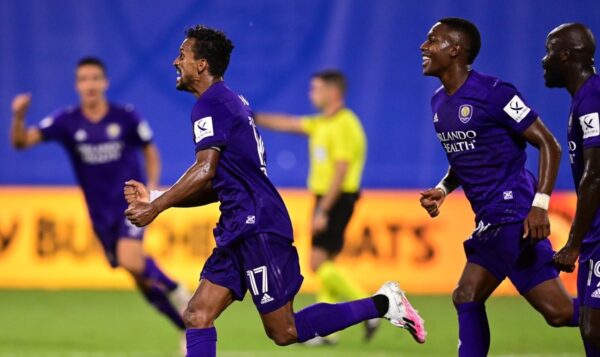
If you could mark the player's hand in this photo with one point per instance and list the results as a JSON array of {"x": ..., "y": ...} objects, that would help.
[
  {"x": 432, "y": 200},
  {"x": 537, "y": 224},
  {"x": 135, "y": 191},
  {"x": 141, "y": 214},
  {"x": 20, "y": 104},
  {"x": 565, "y": 258},
  {"x": 320, "y": 221}
]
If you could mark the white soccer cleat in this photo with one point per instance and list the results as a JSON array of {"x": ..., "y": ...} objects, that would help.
[
  {"x": 401, "y": 313},
  {"x": 317, "y": 341},
  {"x": 180, "y": 298}
]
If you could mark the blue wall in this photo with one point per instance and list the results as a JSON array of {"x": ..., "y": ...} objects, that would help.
[{"x": 278, "y": 45}]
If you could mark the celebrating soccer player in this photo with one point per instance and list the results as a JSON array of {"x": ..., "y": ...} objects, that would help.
[
  {"x": 484, "y": 125},
  {"x": 103, "y": 141},
  {"x": 337, "y": 146},
  {"x": 569, "y": 63},
  {"x": 254, "y": 237}
]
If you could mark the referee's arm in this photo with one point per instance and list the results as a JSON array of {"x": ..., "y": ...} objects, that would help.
[{"x": 280, "y": 122}]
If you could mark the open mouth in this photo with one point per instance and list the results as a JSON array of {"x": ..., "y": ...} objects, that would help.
[
  {"x": 426, "y": 60},
  {"x": 178, "y": 74}
]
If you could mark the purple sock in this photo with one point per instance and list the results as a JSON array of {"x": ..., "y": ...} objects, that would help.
[
  {"x": 153, "y": 272},
  {"x": 473, "y": 330},
  {"x": 201, "y": 342},
  {"x": 575, "y": 319},
  {"x": 158, "y": 298},
  {"x": 590, "y": 350},
  {"x": 324, "y": 319}
]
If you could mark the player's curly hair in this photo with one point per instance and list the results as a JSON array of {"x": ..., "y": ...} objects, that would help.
[
  {"x": 211, "y": 45},
  {"x": 470, "y": 31}
]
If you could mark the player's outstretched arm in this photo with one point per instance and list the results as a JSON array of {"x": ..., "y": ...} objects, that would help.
[
  {"x": 21, "y": 137},
  {"x": 137, "y": 191},
  {"x": 537, "y": 224},
  {"x": 588, "y": 202},
  {"x": 196, "y": 178},
  {"x": 279, "y": 122},
  {"x": 433, "y": 198}
]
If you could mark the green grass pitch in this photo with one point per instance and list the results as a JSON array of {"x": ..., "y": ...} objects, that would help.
[{"x": 120, "y": 323}]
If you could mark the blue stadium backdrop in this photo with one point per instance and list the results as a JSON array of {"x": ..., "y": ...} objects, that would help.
[{"x": 278, "y": 45}]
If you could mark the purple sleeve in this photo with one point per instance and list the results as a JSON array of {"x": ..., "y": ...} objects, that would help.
[
  {"x": 509, "y": 108},
  {"x": 211, "y": 127},
  {"x": 586, "y": 115},
  {"x": 141, "y": 134},
  {"x": 53, "y": 127}
]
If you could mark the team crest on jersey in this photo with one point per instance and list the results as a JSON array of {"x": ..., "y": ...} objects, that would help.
[
  {"x": 465, "y": 113},
  {"x": 113, "y": 130},
  {"x": 80, "y": 135}
]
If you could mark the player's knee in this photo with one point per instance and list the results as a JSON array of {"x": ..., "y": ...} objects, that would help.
[
  {"x": 463, "y": 295},
  {"x": 283, "y": 336},
  {"x": 197, "y": 317},
  {"x": 559, "y": 317}
]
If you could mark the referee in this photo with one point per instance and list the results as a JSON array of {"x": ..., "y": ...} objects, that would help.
[{"x": 337, "y": 146}]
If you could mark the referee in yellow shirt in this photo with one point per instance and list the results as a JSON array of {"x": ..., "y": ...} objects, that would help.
[{"x": 337, "y": 146}]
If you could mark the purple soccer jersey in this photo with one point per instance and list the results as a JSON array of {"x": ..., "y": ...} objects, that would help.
[
  {"x": 584, "y": 133},
  {"x": 480, "y": 128},
  {"x": 249, "y": 203},
  {"x": 104, "y": 155}
]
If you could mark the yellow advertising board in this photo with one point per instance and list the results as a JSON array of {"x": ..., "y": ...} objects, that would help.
[{"x": 46, "y": 240}]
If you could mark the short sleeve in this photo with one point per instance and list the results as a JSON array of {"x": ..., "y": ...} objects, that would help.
[
  {"x": 344, "y": 142},
  {"x": 509, "y": 107},
  {"x": 589, "y": 120},
  {"x": 211, "y": 128},
  {"x": 53, "y": 127},
  {"x": 141, "y": 133},
  {"x": 307, "y": 123}
]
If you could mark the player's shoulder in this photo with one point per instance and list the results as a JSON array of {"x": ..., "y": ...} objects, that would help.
[
  {"x": 220, "y": 100},
  {"x": 590, "y": 93}
]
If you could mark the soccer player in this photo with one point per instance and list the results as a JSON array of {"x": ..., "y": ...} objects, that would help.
[
  {"x": 569, "y": 63},
  {"x": 254, "y": 237},
  {"x": 484, "y": 125},
  {"x": 103, "y": 140},
  {"x": 337, "y": 146}
]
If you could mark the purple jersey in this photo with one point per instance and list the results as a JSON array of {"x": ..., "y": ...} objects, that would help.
[
  {"x": 480, "y": 128},
  {"x": 250, "y": 204},
  {"x": 584, "y": 133},
  {"x": 104, "y": 155}
]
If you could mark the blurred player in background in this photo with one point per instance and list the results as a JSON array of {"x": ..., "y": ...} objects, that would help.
[
  {"x": 103, "y": 141},
  {"x": 254, "y": 235},
  {"x": 484, "y": 125},
  {"x": 569, "y": 63},
  {"x": 337, "y": 145}
]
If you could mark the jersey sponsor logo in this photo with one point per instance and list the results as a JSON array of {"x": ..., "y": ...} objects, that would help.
[
  {"x": 465, "y": 113},
  {"x": 435, "y": 118},
  {"x": 516, "y": 109},
  {"x": 144, "y": 131},
  {"x": 203, "y": 128},
  {"x": 507, "y": 195},
  {"x": 590, "y": 124},
  {"x": 458, "y": 140},
  {"x": 46, "y": 122},
  {"x": 100, "y": 153},
  {"x": 80, "y": 135},
  {"x": 113, "y": 130}
]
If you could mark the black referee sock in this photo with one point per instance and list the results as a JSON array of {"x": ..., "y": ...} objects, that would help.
[{"x": 382, "y": 304}]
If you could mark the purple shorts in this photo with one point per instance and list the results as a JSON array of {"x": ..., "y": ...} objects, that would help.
[
  {"x": 502, "y": 251},
  {"x": 265, "y": 264},
  {"x": 588, "y": 277},
  {"x": 109, "y": 235}
]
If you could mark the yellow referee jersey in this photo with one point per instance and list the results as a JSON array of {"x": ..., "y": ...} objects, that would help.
[{"x": 337, "y": 138}]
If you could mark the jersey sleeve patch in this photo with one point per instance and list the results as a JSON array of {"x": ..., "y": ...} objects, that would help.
[
  {"x": 46, "y": 122},
  {"x": 144, "y": 131},
  {"x": 516, "y": 109},
  {"x": 590, "y": 124},
  {"x": 203, "y": 128}
]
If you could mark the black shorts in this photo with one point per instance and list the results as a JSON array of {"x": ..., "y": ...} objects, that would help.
[{"x": 332, "y": 239}]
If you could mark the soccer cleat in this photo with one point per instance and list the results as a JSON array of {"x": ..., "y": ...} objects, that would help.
[
  {"x": 371, "y": 326},
  {"x": 316, "y": 341},
  {"x": 401, "y": 313},
  {"x": 180, "y": 298}
]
